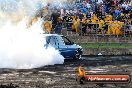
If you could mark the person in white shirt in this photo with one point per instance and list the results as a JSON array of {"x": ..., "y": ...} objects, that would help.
[
  {"x": 99, "y": 1},
  {"x": 125, "y": 5}
]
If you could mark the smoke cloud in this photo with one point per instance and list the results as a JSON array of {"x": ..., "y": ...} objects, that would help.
[
  {"x": 22, "y": 47},
  {"x": 16, "y": 10}
]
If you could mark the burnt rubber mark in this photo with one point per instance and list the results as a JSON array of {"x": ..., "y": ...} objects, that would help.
[{"x": 9, "y": 86}]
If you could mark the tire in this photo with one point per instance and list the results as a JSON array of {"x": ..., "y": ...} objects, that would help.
[
  {"x": 78, "y": 54},
  {"x": 77, "y": 57}
]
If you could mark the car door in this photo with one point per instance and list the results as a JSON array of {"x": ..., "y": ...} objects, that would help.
[{"x": 65, "y": 47}]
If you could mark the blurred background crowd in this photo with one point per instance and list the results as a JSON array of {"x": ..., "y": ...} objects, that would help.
[{"x": 85, "y": 17}]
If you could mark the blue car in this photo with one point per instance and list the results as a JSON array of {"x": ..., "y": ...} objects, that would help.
[{"x": 68, "y": 49}]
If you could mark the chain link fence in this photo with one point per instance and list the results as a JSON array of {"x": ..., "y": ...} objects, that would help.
[
  {"x": 92, "y": 29},
  {"x": 114, "y": 36}
]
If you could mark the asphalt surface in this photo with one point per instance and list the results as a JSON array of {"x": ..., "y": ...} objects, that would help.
[{"x": 64, "y": 75}]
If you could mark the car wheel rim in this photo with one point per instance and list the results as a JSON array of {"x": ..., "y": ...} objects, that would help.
[{"x": 78, "y": 56}]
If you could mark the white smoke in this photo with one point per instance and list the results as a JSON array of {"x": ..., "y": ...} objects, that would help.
[
  {"x": 58, "y": 3},
  {"x": 22, "y": 47}
]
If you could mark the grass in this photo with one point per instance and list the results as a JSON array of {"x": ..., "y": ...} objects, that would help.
[{"x": 106, "y": 45}]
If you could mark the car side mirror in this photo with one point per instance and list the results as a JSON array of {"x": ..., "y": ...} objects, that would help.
[
  {"x": 72, "y": 43},
  {"x": 69, "y": 43}
]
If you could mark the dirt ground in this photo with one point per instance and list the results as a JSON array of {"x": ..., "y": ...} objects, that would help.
[{"x": 64, "y": 76}]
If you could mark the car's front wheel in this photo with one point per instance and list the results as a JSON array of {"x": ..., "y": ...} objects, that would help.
[{"x": 78, "y": 55}]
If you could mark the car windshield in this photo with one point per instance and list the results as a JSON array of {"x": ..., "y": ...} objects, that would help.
[
  {"x": 58, "y": 40},
  {"x": 54, "y": 40},
  {"x": 66, "y": 40}
]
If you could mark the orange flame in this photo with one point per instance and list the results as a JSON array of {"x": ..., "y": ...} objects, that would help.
[{"x": 81, "y": 71}]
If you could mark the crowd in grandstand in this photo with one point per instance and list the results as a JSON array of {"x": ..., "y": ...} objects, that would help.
[{"x": 91, "y": 16}]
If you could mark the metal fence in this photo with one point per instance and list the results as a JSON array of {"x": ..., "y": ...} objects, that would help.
[
  {"x": 101, "y": 40},
  {"x": 110, "y": 30}
]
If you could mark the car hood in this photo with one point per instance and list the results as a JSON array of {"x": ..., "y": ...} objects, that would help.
[{"x": 74, "y": 46}]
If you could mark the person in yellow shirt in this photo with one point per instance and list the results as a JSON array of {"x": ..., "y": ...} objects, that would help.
[
  {"x": 77, "y": 24},
  {"x": 74, "y": 23},
  {"x": 84, "y": 26},
  {"x": 94, "y": 18},
  {"x": 73, "y": 17},
  {"x": 89, "y": 25},
  {"x": 84, "y": 15},
  {"x": 101, "y": 23},
  {"x": 48, "y": 26},
  {"x": 108, "y": 18},
  {"x": 107, "y": 27},
  {"x": 114, "y": 27},
  {"x": 88, "y": 20},
  {"x": 122, "y": 15},
  {"x": 111, "y": 26},
  {"x": 119, "y": 28}
]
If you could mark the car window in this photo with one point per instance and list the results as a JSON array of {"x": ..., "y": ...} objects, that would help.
[
  {"x": 54, "y": 41},
  {"x": 66, "y": 40},
  {"x": 59, "y": 40},
  {"x": 51, "y": 40},
  {"x": 48, "y": 39}
]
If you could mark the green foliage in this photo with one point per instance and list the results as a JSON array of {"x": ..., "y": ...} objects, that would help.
[{"x": 106, "y": 45}]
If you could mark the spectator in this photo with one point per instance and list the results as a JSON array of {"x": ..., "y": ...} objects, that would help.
[
  {"x": 89, "y": 15},
  {"x": 58, "y": 27},
  {"x": 84, "y": 26},
  {"x": 117, "y": 12},
  {"x": 88, "y": 6},
  {"x": 54, "y": 17},
  {"x": 48, "y": 26},
  {"x": 83, "y": 16},
  {"x": 80, "y": 14},
  {"x": 107, "y": 5}
]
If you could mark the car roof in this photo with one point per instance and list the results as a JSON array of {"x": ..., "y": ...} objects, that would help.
[{"x": 52, "y": 35}]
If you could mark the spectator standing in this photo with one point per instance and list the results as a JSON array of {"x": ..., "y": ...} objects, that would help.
[
  {"x": 88, "y": 5},
  {"x": 88, "y": 15},
  {"x": 58, "y": 27},
  {"x": 80, "y": 14},
  {"x": 117, "y": 12},
  {"x": 54, "y": 17}
]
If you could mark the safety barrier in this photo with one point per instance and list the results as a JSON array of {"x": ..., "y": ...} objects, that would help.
[{"x": 92, "y": 29}]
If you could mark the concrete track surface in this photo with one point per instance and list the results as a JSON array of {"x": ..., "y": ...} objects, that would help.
[{"x": 64, "y": 75}]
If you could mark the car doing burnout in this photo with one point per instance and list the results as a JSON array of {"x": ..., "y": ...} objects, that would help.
[{"x": 68, "y": 49}]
